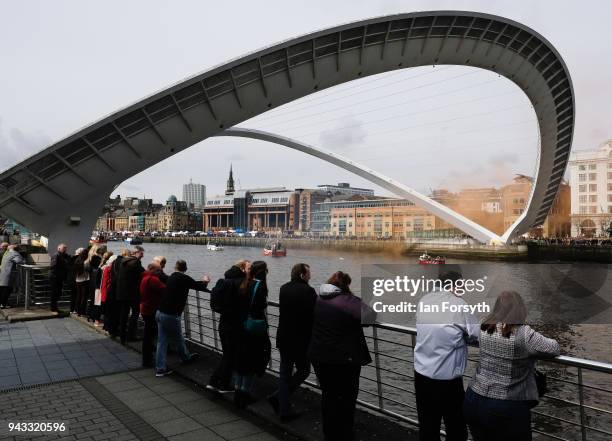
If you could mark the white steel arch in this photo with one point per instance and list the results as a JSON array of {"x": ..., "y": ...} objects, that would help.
[
  {"x": 466, "y": 225},
  {"x": 59, "y": 191}
]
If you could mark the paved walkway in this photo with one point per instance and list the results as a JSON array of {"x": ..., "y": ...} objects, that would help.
[
  {"x": 43, "y": 351},
  {"x": 61, "y": 371}
]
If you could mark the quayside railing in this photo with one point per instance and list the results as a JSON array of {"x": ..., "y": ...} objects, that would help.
[{"x": 576, "y": 407}]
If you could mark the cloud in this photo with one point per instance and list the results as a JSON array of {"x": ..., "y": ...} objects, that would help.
[
  {"x": 495, "y": 171},
  {"x": 18, "y": 145},
  {"x": 343, "y": 139}
]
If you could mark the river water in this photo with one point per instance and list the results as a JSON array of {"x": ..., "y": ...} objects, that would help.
[
  {"x": 585, "y": 341},
  {"x": 593, "y": 341}
]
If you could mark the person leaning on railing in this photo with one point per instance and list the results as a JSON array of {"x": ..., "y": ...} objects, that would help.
[
  {"x": 503, "y": 389},
  {"x": 338, "y": 350},
  {"x": 169, "y": 313}
]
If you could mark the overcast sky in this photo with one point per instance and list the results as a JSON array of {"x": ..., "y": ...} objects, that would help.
[{"x": 64, "y": 64}]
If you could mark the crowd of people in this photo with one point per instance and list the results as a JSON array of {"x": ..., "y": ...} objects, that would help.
[{"x": 323, "y": 331}]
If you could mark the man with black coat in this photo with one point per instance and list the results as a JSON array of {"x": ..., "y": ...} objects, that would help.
[
  {"x": 297, "y": 300},
  {"x": 128, "y": 293},
  {"x": 60, "y": 267},
  {"x": 168, "y": 316},
  {"x": 224, "y": 300}
]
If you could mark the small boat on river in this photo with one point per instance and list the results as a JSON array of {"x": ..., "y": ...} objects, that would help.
[{"x": 426, "y": 259}]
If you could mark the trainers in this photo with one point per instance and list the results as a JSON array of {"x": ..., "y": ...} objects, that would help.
[
  {"x": 163, "y": 373},
  {"x": 192, "y": 357},
  {"x": 219, "y": 390}
]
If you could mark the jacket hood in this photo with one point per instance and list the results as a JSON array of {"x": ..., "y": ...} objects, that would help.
[
  {"x": 329, "y": 290},
  {"x": 233, "y": 273},
  {"x": 130, "y": 261}
]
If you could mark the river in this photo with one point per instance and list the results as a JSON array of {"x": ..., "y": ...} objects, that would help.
[{"x": 577, "y": 340}]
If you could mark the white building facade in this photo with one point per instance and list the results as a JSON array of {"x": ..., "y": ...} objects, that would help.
[
  {"x": 591, "y": 191},
  {"x": 194, "y": 194}
]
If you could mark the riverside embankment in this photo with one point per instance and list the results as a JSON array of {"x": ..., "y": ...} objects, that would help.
[{"x": 394, "y": 247}]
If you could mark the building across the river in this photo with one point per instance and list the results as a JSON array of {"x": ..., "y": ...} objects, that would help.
[
  {"x": 591, "y": 194},
  {"x": 194, "y": 195}
]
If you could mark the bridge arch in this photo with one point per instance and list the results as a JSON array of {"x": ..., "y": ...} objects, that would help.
[
  {"x": 60, "y": 190},
  {"x": 466, "y": 225}
]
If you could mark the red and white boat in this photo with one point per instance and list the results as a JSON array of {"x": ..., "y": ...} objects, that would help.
[
  {"x": 275, "y": 249},
  {"x": 426, "y": 259}
]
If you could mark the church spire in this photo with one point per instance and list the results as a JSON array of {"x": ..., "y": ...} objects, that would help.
[{"x": 230, "y": 182}]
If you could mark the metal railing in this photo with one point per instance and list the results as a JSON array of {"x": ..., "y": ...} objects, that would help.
[
  {"x": 577, "y": 406},
  {"x": 34, "y": 288}
]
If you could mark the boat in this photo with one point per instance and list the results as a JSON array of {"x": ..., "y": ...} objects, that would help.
[
  {"x": 214, "y": 247},
  {"x": 275, "y": 249},
  {"x": 426, "y": 259},
  {"x": 133, "y": 240},
  {"x": 97, "y": 239}
]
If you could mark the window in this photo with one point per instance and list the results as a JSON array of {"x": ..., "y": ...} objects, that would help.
[
  {"x": 592, "y": 166},
  {"x": 609, "y": 187},
  {"x": 609, "y": 175},
  {"x": 581, "y": 167},
  {"x": 592, "y": 187},
  {"x": 583, "y": 209},
  {"x": 609, "y": 164},
  {"x": 609, "y": 208},
  {"x": 582, "y": 177},
  {"x": 610, "y": 198},
  {"x": 592, "y": 209},
  {"x": 592, "y": 176},
  {"x": 582, "y": 188},
  {"x": 582, "y": 198},
  {"x": 592, "y": 198}
]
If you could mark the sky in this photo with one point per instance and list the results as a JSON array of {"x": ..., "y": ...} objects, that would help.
[{"x": 65, "y": 64}]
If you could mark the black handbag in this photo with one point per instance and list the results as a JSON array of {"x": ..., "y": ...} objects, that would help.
[{"x": 540, "y": 378}]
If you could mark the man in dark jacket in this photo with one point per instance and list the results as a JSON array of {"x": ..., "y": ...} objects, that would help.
[
  {"x": 230, "y": 324},
  {"x": 128, "y": 293},
  {"x": 297, "y": 300},
  {"x": 60, "y": 266},
  {"x": 168, "y": 316}
]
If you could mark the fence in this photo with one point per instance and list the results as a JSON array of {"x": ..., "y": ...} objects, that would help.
[
  {"x": 33, "y": 287},
  {"x": 577, "y": 406}
]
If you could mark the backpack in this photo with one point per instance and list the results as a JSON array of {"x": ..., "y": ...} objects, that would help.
[{"x": 220, "y": 296}]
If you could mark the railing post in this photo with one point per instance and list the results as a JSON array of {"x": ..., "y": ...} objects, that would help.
[
  {"x": 186, "y": 319},
  {"x": 379, "y": 388},
  {"x": 28, "y": 287},
  {"x": 215, "y": 329},
  {"x": 583, "y": 421},
  {"x": 199, "y": 315}
]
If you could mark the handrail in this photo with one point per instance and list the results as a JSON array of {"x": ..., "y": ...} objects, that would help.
[
  {"x": 565, "y": 360},
  {"x": 380, "y": 395}
]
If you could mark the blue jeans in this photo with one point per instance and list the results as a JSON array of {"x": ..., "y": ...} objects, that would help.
[
  {"x": 244, "y": 382},
  {"x": 500, "y": 420},
  {"x": 169, "y": 329}
]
